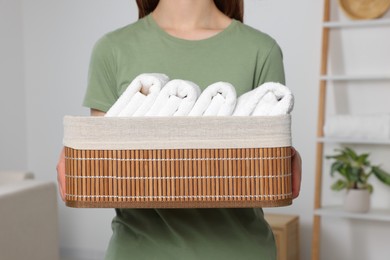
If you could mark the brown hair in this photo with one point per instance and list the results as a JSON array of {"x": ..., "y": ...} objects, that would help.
[{"x": 232, "y": 8}]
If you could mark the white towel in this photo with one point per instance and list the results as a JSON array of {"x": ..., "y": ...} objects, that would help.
[
  {"x": 139, "y": 96},
  {"x": 269, "y": 99},
  {"x": 176, "y": 98},
  {"x": 374, "y": 126},
  {"x": 135, "y": 102},
  {"x": 218, "y": 99}
]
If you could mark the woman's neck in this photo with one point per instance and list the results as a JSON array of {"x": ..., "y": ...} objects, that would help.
[{"x": 190, "y": 19}]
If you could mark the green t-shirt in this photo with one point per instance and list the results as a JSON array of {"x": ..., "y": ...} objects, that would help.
[{"x": 240, "y": 55}]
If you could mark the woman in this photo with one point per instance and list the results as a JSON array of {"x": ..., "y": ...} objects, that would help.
[{"x": 203, "y": 41}]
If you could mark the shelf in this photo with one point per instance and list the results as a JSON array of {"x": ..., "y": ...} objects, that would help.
[
  {"x": 357, "y": 24},
  {"x": 354, "y": 77},
  {"x": 333, "y": 78},
  {"x": 352, "y": 141},
  {"x": 339, "y": 212}
]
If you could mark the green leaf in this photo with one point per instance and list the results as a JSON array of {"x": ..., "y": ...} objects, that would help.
[
  {"x": 370, "y": 188},
  {"x": 339, "y": 185},
  {"x": 363, "y": 159},
  {"x": 344, "y": 171},
  {"x": 351, "y": 153},
  {"x": 381, "y": 175},
  {"x": 336, "y": 167},
  {"x": 354, "y": 174},
  {"x": 364, "y": 177},
  {"x": 338, "y": 157}
]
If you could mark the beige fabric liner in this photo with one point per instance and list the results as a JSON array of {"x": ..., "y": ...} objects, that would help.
[{"x": 120, "y": 133}]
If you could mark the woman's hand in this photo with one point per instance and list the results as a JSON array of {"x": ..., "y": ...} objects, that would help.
[
  {"x": 61, "y": 174},
  {"x": 296, "y": 166}
]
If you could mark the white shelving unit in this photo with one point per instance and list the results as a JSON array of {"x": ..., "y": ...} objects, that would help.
[
  {"x": 337, "y": 211},
  {"x": 356, "y": 24},
  {"x": 354, "y": 77},
  {"x": 352, "y": 141}
]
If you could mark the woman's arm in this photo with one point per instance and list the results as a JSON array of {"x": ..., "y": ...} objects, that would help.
[
  {"x": 95, "y": 112},
  {"x": 61, "y": 162}
]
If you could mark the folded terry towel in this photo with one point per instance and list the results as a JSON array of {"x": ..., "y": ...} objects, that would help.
[
  {"x": 218, "y": 99},
  {"x": 269, "y": 99},
  {"x": 176, "y": 98},
  {"x": 132, "y": 106},
  {"x": 375, "y": 126},
  {"x": 139, "y": 96}
]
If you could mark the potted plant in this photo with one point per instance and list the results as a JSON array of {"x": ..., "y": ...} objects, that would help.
[{"x": 355, "y": 171}]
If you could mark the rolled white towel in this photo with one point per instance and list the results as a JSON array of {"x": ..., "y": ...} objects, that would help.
[
  {"x": 266, "y": 104},
  {"x": 218, "y": 99},
  {"x": 370, "y": 126},
  {"x": 176, "y": 98},
  {"x": 135, "y": 102},
  {"x": 139, "y": 96},
  {"x": 269, "y": 99},
  {"x": 214, "y": 106}
]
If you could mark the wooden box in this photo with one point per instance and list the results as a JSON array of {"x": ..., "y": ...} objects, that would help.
[{"x": 286, "y": 232}]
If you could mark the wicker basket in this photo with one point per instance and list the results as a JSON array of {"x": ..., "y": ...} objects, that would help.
[
  {"x": 178, "y": 162},
  {"x": 364, "y": 9}
]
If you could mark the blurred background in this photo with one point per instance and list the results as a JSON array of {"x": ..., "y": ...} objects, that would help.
[{"x": 45, "y": 49}]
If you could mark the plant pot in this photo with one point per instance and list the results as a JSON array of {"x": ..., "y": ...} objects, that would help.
[{"x": 357, "y": 200}]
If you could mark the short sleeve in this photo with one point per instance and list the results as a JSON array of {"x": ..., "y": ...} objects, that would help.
[
  {"x": 271, "y": 69},
  {"x": 101, "y": 89}
]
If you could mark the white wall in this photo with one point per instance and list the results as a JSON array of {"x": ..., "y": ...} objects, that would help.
[
  {"x": 59, "y": 36},
  {"x": 13, "y": 144},
  {"x": 57, "y": 40}
]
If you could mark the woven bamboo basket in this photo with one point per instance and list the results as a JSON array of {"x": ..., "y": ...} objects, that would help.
[
  {"x": 364, "y": 9},
  {"x": 178, "y": 162}
]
